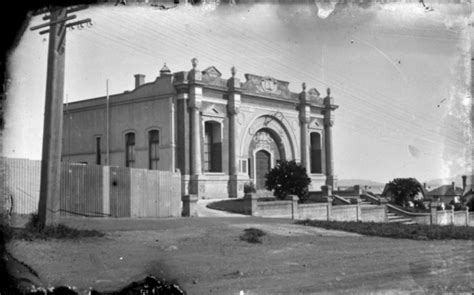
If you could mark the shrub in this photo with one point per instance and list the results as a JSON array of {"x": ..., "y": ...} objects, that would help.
[
  {"x": 288, "y": 178},
  {"x": 252, "y": 235},
  {"x": 470, "y": 203},
  {"x": 59, "y": 231},
  {"x": 459, "y": 207},
  {"x": 404, "y": 190},
  {"x": 419, "y": 204},
  {"x": 249, "y": 187}
]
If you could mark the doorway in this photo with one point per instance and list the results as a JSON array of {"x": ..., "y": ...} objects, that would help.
[{"x": 262, "y": 165}]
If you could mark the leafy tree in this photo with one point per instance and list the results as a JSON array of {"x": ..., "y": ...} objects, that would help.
[
  {"x": 404, "y": 190},
  {"x": 288, "y": 178}
]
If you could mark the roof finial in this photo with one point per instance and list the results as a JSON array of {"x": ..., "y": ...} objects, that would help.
[
  {"x": 303, "y": 86},
  {"x": 194, "y": 62},
  {"x": 233, "y": 71},
  {"x": 328, "y": 91},
  {"x": 164, "y": 70}
]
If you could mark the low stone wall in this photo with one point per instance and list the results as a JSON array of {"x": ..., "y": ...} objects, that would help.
[
  {"x": 349, "y": 212},
  {"x": 317, "y": 211},
  {"x": 439, "y": 217},
  {"x": 278, "y": 209},
  {"x": 374, "y": 213},
  {"x": 460, "y": 218},
  {"x": 451, "y": 217}
]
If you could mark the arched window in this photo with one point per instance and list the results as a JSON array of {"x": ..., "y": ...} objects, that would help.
[
  {"x": 315, "y": 153},
  {"x": 130, "y": 149},
  {"x": 212, "y": 147},
  {"x": 153, "y": 149}
]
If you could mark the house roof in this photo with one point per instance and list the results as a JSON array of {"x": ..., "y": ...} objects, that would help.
[{"x": 446, "y": 190}]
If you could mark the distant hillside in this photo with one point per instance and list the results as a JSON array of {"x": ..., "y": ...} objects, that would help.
[
  {"x": 457, "y": 180},
  {"x": 361, "y": 182}
]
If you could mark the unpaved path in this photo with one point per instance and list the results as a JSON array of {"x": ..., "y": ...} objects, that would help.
[{"x": 206, "y": 256}]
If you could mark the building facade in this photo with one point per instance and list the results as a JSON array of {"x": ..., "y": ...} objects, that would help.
[{"x": 220, "y": 133}]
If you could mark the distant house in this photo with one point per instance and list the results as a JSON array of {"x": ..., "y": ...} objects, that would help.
[{"x": 446, "y": 193}]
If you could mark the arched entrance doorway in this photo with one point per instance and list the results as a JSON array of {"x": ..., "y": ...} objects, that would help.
[
  {"x": 266, "y": 150},
  {"x": 262, "y": 167}
]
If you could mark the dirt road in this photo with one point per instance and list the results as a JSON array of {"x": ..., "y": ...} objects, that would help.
[{"x": 206, "y": 256}]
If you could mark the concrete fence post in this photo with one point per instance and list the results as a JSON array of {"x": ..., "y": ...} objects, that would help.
[
  {"x": 329, "y": 208},
  {"x": 434, "y": 212},
  {"x": 250, "y": 204},
  {"x": 358, "y": 211},
  {"x": 384, "y": 203},
  {"x": 189, "y": 205},
  {"x": 452, "y": 215},
  {"x": 467, "y": 216},
  {"x": 294, "y": 205}
]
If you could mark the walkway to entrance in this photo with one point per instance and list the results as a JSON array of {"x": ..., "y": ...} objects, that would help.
[{"x": 203, "y": 211}]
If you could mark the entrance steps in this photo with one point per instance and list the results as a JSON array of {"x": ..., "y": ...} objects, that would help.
[{"x": 395, "y": 218}]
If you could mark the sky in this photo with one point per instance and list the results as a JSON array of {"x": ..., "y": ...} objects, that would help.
[{"x": 400, "y": 75}]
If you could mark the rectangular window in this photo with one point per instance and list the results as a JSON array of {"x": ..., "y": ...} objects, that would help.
[
  {"x": 208, "y": 149},
  {"x": 243, "y": 166},
  {"x": 315, "y": 153},
  {"x": 153, "y": 145},
  {"x": 130, "y": 149},
  {"x": 212, "y": 147},
  {"x": 97, "y": 151}
]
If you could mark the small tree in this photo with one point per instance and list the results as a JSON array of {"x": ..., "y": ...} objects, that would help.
[
  {"x": 288, "y": 178},
  {"x": 404, "y": 190}
]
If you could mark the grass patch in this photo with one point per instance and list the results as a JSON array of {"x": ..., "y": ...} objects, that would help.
[
  {"x": 32, "y": 231},
  {"x": 233, "y": 206},
  {"x": 398, "y": 231},
  {"x": 252, "y": 235}
]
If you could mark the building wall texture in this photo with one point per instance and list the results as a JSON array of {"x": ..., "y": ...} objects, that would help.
[{"x": 207, "y": 121}]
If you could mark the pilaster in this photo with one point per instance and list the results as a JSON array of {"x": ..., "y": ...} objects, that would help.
[
  {"x": 195, "y": 106},
  {"x": 304, "y": 118},
  {"x": 328, "y": 123},
  {"x": 233, "y": 108}
]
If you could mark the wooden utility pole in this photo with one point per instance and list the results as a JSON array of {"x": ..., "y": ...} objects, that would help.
[{"x": 48, "y": 209}]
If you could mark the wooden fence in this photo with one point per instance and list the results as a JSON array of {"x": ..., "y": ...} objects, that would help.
[{"x": 92, "y": 190}]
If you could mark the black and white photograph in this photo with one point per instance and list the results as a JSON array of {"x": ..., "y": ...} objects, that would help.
[{"x": 239, "y": 147}]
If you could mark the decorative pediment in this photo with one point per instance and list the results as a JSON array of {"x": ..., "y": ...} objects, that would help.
[
  {"x": 266, "y": 85},
  {"x": 212, "y": 72},
  {"x": 313, "y": 92}
]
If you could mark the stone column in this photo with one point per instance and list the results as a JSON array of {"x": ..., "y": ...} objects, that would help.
[
  {"x": 304, "y": 116},
  {"x": 195, "y": 105},
  {"x": 233, "y": 106},
  {"x": 195, "y": 108},
  {"x": 328, "y": 123}
]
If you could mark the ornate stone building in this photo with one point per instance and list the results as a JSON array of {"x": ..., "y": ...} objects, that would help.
[{"x": 220, "y": 133}]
